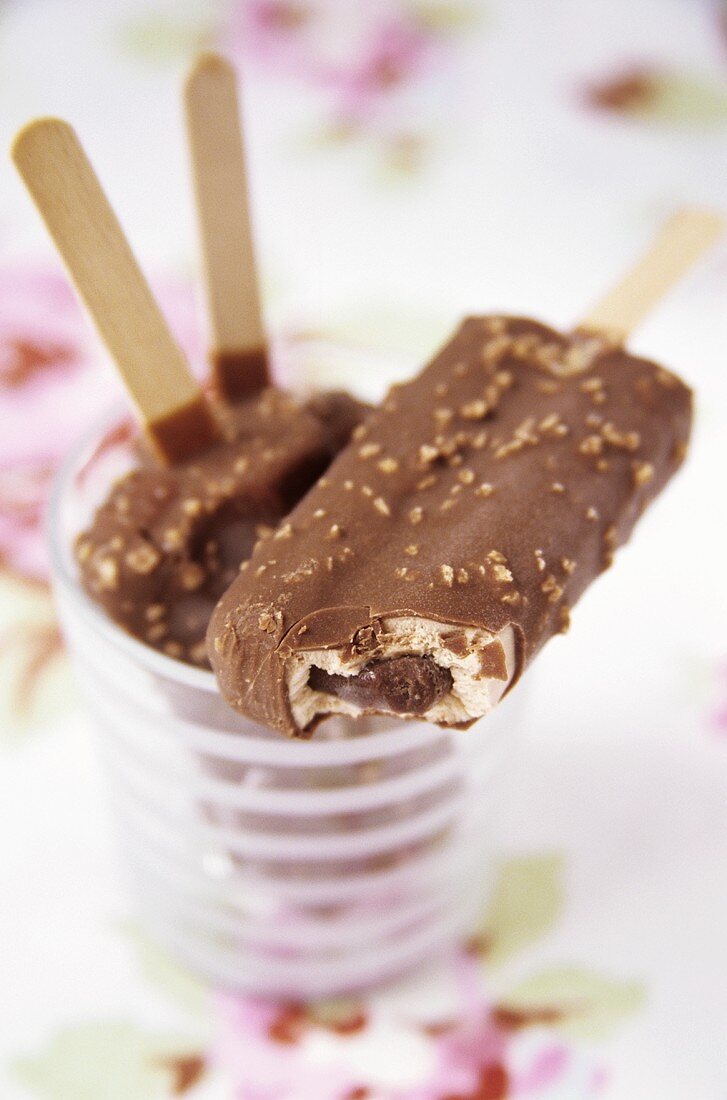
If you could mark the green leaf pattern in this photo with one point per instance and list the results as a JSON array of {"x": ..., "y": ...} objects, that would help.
[
  {"x": 587, "y": 1005},
  {"x": 526, "y": 902},
  {"x": 107, "y": 1060}
]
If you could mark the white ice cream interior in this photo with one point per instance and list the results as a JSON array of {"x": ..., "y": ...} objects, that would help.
[{"x": 472, "y": 694}]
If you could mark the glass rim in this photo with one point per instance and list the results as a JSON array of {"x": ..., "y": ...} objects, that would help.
[{"x": 64, "y": 574}]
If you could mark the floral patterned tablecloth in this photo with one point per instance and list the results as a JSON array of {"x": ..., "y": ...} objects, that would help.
[{"x": 411, "y": 160}]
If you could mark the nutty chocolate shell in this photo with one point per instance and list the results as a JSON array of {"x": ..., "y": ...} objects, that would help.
[
  {"x": 168, "y": 541},
  {"x": 459, "y": 526}
]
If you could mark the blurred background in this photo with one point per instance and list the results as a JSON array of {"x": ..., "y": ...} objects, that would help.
[{"x": 411, "y": 161}]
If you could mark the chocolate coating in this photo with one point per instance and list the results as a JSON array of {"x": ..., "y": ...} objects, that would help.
[
  {"x": 339, "y": 414},
  {"x": 402, "y": 685},
  {"x": 239, "y": 375},
  {"x": 185, "y": 432},
  {"x": 489, "y": 491},
  {"x": 168, "y": 541}
]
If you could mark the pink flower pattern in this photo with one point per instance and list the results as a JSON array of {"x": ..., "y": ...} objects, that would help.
[
  {"x": 261, "y": 1049},
  {"x": 388, "y": 50},
  {"x": 52, "y": 385}
]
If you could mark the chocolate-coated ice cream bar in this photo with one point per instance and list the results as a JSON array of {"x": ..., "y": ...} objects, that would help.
[
  {"x": 169, "y": 540},
  {"x": 448, "y": 542}
]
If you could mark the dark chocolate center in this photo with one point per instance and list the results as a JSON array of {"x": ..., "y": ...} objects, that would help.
[{"x": 403, "y": 685}]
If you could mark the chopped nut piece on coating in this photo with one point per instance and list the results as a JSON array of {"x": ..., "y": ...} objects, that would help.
[
  {"x": 484, "y": 489},
  {"x": 643, "y": 472},
  {"x": 474, "y": 410},
  {"x": 368, "y": 450},
  {"x": 388, "y": 465}
]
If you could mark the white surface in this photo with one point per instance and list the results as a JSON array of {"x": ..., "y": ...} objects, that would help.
[{"x": 526, "y": 204}]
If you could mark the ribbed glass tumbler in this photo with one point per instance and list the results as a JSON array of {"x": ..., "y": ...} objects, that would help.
[{"x": 280, "y": 868}]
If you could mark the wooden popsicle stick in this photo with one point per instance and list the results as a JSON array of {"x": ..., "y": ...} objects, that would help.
[
  {"x": 678, "y": 245},
  {"x": 90, "y": 240},
  {"x": 238, "y": 353}
]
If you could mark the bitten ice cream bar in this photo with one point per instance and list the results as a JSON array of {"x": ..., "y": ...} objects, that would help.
[{"x": 450, "y": 540}]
